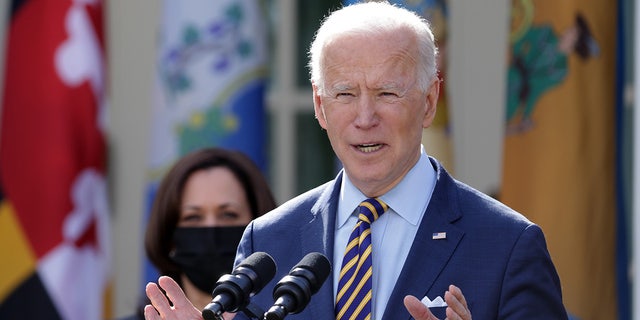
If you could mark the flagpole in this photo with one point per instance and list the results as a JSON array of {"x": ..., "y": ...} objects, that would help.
[
  {"x": 635, "y": 215},
  {"x": 4, "y": 13}
]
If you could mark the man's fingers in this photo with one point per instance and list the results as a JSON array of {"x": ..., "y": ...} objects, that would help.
[
  {"x": 182, "y": 307},
  {"x": 150, "y": 313},
  {"x": 458, "y": 294},
  {"x": 417, "y": 309},
  {"x": 158, "y": 299},
  {"x": 457, "y": 305},
  {"x": 174, "y": 293}
]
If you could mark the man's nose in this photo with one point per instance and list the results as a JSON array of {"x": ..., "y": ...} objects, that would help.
[{"x": 366, "y": 114}]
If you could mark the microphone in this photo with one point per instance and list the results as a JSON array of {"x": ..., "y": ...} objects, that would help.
[
  {"x": 232, "y": 291},
  {"x": 293, "y": 292}
]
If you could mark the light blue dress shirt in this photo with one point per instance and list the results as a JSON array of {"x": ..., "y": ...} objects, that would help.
[{"x": 392, "y": 234}]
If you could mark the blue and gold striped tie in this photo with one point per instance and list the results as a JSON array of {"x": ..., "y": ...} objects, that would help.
[{"x": 353, "y": 300}]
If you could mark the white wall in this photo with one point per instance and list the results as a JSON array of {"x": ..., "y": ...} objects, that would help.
[
  {"x": 131, "y": 31},
  {"x": 477, "y": 73}
]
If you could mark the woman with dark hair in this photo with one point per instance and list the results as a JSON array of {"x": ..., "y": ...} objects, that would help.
[{"x": 199, "y": 213}]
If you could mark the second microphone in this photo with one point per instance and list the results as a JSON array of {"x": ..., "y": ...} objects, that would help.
[{"x": 293, "y": 292}]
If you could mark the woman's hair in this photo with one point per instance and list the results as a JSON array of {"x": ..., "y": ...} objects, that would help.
[
  {"x": 165, "y": 212},
  {"x": 375, "y": 18}
]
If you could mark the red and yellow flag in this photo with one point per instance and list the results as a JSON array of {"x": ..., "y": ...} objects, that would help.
[{"x": 54, "y": 221}]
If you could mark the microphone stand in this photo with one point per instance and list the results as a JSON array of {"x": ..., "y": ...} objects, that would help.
[{"x": 253, "y": 311}]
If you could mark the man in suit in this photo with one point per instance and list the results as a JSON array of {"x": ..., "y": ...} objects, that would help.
[{"x": 373, "y": 72}]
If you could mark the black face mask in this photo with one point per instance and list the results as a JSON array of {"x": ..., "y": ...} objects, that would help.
[{"x": 205, "y": 254}]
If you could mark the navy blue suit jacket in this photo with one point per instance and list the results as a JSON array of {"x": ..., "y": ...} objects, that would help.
[{"x": 497, "y": 257}]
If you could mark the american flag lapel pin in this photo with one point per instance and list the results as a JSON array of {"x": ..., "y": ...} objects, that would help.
[{"x": 439, "y": 235}]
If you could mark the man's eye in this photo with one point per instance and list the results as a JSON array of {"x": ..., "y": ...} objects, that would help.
[
  {"x": 344, "y": 94},
  {"x": 388, "y": 94}
]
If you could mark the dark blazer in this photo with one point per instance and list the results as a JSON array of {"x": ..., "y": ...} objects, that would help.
[{"x": 496, "y": 256}]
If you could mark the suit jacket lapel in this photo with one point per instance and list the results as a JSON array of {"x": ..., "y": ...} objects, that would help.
[
  {"x": 428, "y": 256},
  {"x": 317, "y": 236}
]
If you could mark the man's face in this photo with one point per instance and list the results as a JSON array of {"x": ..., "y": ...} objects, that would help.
[{"x": 373, "y": 109}]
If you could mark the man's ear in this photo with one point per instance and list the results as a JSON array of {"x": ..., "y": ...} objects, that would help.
[
  {"x": 431, "y": 100},
  {"x": 317, "y": 107}
]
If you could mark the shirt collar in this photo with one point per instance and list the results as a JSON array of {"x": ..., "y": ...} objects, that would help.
[{"x": 408, "y": 199}]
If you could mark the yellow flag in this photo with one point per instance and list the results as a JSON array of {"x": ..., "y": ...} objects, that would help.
[{"x": 560, "y": 142}]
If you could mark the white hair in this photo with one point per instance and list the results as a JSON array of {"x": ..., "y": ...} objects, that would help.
[{"x": 375, "y": 18}]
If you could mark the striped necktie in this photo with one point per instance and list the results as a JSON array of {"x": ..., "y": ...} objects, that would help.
[{"x": 353, "y": 300}]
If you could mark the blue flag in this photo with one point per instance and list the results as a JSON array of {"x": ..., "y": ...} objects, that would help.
[{"x": 210, "y": 83}]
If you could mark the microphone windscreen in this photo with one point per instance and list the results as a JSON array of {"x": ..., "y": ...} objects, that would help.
[
  {"x": 262, "y": 264},
  {"x": 319, "y": 265}
]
